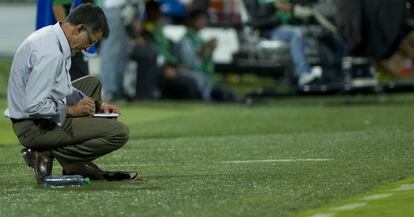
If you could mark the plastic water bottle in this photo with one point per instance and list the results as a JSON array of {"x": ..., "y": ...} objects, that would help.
[{"x": 64, "y": 181}]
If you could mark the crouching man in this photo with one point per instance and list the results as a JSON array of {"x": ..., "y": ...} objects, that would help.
[{"x": 52, "y": 116}]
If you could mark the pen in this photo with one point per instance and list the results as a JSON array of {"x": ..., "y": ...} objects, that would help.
[{"x": 82, "y": 95}]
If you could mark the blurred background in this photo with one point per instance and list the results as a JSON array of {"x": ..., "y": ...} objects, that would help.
[
  {"x": 262, "y": 48},
  {"x": 249, "y": 156}
]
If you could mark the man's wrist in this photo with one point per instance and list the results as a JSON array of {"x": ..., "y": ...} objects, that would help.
[{"x": 69, "y": 111}]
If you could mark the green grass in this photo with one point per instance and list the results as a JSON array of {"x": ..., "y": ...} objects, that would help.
[
  {"x": 395, "y": 199},
  {"x": 180, "y": 149},
  {"x": 4, "y": 75}
]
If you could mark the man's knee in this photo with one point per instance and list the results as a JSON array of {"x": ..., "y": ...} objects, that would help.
[
  {"x": 296, "y": 33},
  {"x": 120, "y": 134},
  {"x": 124, "y": 132}
]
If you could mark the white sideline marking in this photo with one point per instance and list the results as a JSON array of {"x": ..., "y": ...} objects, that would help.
[
  {"x": 228, "y": 162},
  {"x": 405, "y": 187},
  {"x": 377, "y": 196},
  {"x": 349, "y": 206},
  {"x": 275, "y": 160},
  {"x": 324, "y": 215}
]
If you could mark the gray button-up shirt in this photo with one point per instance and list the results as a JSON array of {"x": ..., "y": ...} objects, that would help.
[{"x": 39, "y": 79}]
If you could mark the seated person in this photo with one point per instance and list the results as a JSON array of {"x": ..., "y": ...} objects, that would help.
[
  {"x": 196, "y": 56},
  {"x": 51, "y": 116},
  {"x": 158, "y": 68},
  {"x": 276, "y": 21},
  {"x": 400, "y": 64},
  {"x": 368, "y": 33}
]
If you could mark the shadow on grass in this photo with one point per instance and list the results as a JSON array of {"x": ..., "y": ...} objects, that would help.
[
  {"x": 122, "y": 186},
  {"x": 106, "y": 187}
]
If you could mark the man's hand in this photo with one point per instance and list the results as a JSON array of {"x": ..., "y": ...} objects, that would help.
[
  {"x": 107, "y": 108},
  {"x": 84, "y": 107},
  {"x": 170, "y": 72},
  {"x": 284, "y": 6},
  {"x": 208, "y": 48},
  {"x": 212, "y": 43}
]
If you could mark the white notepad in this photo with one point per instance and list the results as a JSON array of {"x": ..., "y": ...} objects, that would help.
[{"x": 105, "y": 115}]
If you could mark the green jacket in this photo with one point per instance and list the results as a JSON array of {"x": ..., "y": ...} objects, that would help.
[{"x": 162, "y": 43}]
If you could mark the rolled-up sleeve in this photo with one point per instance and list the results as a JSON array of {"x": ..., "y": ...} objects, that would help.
[{"x": 75, "y": 97}]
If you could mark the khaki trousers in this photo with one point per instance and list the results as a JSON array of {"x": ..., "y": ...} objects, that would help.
[{"x": 79, "y": 140}]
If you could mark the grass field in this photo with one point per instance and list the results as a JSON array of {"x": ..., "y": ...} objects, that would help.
[
  {"x": 276, "y": 158},
  {"x": 4, "y": 73}
]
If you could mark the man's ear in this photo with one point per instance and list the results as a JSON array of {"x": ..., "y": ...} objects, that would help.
[{"x": 78, "y": 29}]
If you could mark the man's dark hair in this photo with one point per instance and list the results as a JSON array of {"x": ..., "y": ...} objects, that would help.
[
  {"x": 152, "y": 10},
  {"x": 152, "y": 5},
  {"x": 197, "y": 12},
  {"x": 91, "y": 16}
]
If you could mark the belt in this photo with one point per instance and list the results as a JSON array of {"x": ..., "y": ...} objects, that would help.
[
  {"x": 19, "y": 120},
  {"x": 42, "y": 123}
]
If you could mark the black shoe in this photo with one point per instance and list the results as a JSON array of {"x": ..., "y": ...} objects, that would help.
[
  {"x": 119, "y": 176},
  {"x": 91, "y": 170},
  {"x": 87, "y": 169},
  {"x": 41, "y": 164}
]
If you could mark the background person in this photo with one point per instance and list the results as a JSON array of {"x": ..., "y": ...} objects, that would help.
[
  {"x": 158, "y": 66},
  {"x": 52, "y": 11},
  {"x": 114, "y": 51},
  {"x": 276, "y": 20},
  {"x": 196, "y": 54}
]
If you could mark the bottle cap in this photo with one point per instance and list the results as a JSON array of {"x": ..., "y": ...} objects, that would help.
[{"x": 87, "y": 180}]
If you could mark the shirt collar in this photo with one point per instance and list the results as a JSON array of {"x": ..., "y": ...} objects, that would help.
[{"x": 63, "y": 41}]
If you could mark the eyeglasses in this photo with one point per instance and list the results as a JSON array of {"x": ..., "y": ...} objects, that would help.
[{"x": 91, "y": 41}]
